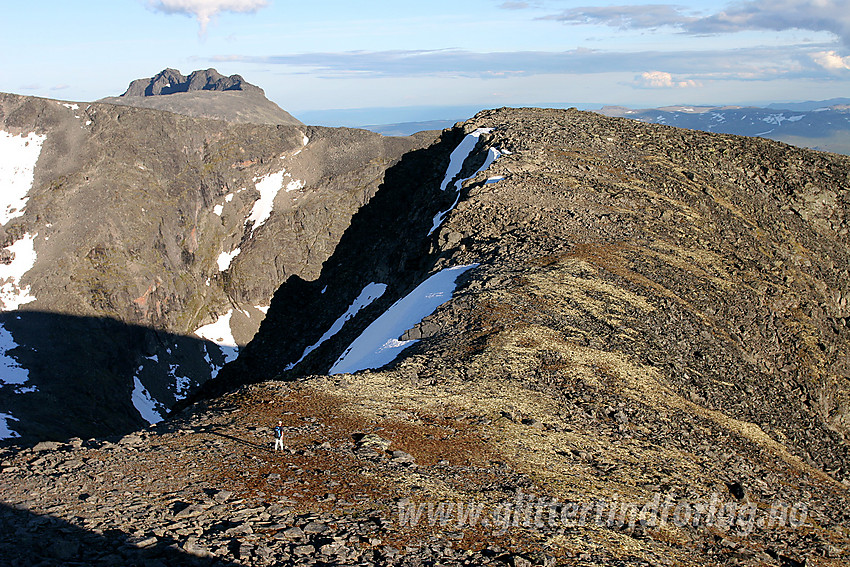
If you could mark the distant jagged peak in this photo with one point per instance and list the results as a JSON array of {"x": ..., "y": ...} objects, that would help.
[{"x": 171, "y": 81}]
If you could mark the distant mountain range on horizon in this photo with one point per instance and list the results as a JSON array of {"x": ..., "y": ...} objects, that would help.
[{"x": 822, "y": 125}]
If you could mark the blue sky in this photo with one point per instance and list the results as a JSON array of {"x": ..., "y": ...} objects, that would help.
[{"x": 418, "y": 56}]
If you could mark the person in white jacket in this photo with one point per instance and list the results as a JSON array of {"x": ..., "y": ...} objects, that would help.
[{"x": 278, "y": 436}]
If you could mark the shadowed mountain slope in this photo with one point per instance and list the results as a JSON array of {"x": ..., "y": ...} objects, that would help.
[{"x": 183, "y": 225}]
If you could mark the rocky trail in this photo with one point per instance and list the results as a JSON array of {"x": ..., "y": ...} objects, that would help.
[{"x": 206, "y": 488}]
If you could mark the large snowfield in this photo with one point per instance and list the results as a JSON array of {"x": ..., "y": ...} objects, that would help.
[{"x": 18, "y": 157}]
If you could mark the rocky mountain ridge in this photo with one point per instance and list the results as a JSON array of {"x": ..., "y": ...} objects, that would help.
[{"x": 641, "y": 359}]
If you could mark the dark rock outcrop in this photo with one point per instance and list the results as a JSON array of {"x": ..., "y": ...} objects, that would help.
[
  {"x": 171, "y": 81},
  {"x": 204, "y": 94}
]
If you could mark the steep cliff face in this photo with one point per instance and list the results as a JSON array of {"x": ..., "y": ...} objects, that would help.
[
  {"x": 548, "y": 338},
  {"x": 384, "y": 248},
  {"x": 166, "y": 227}
]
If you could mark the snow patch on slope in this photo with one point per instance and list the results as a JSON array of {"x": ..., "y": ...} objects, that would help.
[
  {"x": 5, "y": 431},
  {"x": 225, "y": 258},
  {"x": 456, "y": 160},
  {"x": 219, "y": 209},
  {"x": 269, "y": 186},
  {"x": 147, "y": 407},
  {"x": 369, "y": 294},
  {"x": 778, "y": 119},
  {"x": 378, "y": 345},
  {"x": 10, "y": 371},
  {"x": 459, "y": 155},
  {"x": 220, "y": 334},
  {"x": 181, "y": 383},
  {"x": 294, "y": 185},
  {"x": 12, "y": 294},
  {"x": 18, "y": 156}
]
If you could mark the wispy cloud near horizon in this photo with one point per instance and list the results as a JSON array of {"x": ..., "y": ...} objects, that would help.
[
  {"x": 690, "y": 67},
  {"x": 517, "y": 5},
  {"x": 645, "y": 16}
]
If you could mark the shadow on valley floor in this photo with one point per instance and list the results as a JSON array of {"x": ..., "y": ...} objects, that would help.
[
  {"x": 387, "y": 242},
  {"x": 64, "y": 376},
  {"x": 211, "y": 431},
  {"x": 31, "y": 539}
]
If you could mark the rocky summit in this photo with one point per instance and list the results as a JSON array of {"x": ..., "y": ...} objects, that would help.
[
  {"x": 546, "y": 338},
  {"x": 170, "y": 81},
  {"x": 204, "y": 94}
]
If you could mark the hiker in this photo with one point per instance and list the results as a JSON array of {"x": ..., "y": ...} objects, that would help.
[{"x": 278, "y": 436}]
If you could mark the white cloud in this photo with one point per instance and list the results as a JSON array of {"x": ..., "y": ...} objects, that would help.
[
  {"x": 831, "y": 60},
  {"x": 662, "y": 80},
  {"x": 206, "y": 10}
]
